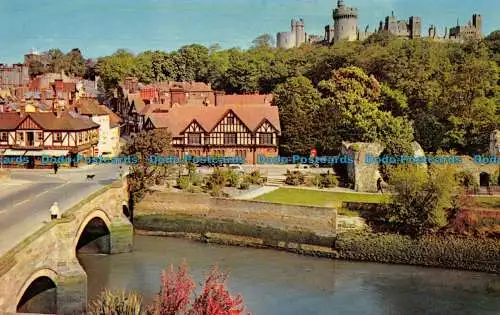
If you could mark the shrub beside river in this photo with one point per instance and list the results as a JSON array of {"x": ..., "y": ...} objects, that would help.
[{"x": 450, "y": 251}]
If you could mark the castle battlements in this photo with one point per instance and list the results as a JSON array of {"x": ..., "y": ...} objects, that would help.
[{"x": 345, "y": 28}]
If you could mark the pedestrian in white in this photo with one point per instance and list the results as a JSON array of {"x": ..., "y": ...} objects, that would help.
[{"x": 54, "y": 211}]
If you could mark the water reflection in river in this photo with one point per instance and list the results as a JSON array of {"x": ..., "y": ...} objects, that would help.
[{"x": 282, "y": 283}]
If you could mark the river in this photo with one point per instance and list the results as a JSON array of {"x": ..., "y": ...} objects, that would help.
[{"x": 274, "y": 282}]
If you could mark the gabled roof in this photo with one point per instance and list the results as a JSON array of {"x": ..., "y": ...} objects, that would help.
[
  {"x": 179, "y": 118},
  {"x": 136, "y": 100}
]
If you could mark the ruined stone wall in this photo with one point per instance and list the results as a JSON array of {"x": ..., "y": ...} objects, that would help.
[
  {"x": 51, "y": 251},
  {"x": 364, "y": 175}
]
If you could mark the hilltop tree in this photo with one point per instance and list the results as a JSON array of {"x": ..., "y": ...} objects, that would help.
[{"x": 264, "y": 40}]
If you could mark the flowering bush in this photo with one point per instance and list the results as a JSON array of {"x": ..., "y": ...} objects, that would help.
[
  {"x": 175, "y": 297},
  {"x": 177, "y": 288}
]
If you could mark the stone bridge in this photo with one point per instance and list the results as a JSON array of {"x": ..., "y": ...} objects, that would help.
[{"x": 43, "y": 271}]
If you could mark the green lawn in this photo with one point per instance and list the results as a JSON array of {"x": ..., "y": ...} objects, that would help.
[
  {"x": 488, "y": 202},
  {"x": 317, "y": 198}
]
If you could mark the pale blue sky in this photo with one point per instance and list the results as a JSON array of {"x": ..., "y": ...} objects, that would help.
[{"x": 99, "y": 27}]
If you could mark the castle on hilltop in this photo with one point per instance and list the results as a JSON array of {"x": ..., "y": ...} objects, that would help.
[{"x": 345, "y": 28}]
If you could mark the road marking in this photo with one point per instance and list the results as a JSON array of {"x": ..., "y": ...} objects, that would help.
[
  {"x": 43, "y": 192},
  {"x": 20, "y": 202}
]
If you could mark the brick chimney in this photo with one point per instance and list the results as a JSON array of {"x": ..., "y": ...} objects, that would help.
[
  {"x": 58, "y": 112},
  {"x": 22, "y": 109},
  {"x": 218, "y": 98}
]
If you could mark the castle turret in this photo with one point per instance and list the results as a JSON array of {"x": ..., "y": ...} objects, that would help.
[
  {"x": 300, "y": 34},
  {"x": 345, "y": 22},
  {"x": 477, "y": 22}
]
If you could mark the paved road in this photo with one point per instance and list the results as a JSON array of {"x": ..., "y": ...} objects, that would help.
[{"x": 25, "y": 201}]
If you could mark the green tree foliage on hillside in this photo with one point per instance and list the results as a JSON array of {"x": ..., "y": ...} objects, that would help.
[
  {"x": 351, "y": 111},
  {"x": 449, "y": 90},
  {"x": 298, "y": 101}
]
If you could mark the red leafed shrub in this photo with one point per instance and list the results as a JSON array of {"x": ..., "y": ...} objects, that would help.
[
  {"x": 175, "y": 292},
  {"x": 215, "y": 299},
  {"x": 177, "y": 288}
]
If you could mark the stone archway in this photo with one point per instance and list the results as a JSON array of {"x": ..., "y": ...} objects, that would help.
[
  {"x": 94, "y": 234},
  {"x": 39, "y": 294}
]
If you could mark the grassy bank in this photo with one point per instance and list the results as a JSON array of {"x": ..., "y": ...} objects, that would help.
[
  {"x": 455, "y": 252},
  {"x": 492, "y": 202},
  {"x": 318, "y": 198}
]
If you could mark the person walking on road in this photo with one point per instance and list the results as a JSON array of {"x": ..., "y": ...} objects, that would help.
[
  {"x": 56, "y": 167},
  {"x": 54, "y": 211}
]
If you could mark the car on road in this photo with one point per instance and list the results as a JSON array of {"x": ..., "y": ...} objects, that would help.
[{"x": 236, "y": 168}]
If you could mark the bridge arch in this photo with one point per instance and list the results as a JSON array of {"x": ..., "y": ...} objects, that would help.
[
  {"x": 95, "y": 227},
  {"x": 41, "y": 287}
]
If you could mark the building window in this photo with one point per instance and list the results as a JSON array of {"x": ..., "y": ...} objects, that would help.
[
  {"x": 58, "y": 136},
  {"x": 230, "y": 120},
  {"x": 86, "y": 136},
  {"x": 230, "y": 138},
  {"x": 3, "y": 136},
  {"x": 266, "y": 138},
  {"x": 20, "y": 136},
  {"x": 40, "y": 136},
  {"x": 194, "y": 138}
]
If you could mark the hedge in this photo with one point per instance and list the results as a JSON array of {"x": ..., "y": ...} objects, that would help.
[{"x": 451, "y": 251}]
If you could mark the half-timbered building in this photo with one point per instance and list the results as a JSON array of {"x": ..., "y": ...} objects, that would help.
[
  {"x": 33, "y": 135},
  {"x": 229, "y": 130}
]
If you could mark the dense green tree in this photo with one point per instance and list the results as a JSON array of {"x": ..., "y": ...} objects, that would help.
[
  {"x": 422, "y": 198},
  {"x": 75, "y": 63},
  {"x": 145, "y": 174},
  {"x": 298, "y": 101},
  {"x": 351, "y": 112}
]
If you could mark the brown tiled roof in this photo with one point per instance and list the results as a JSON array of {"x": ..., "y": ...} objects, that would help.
[
  {"x": 67, "y": 121},
  {"x": 151, "y": 108},
  {"x": 9, "y": 120},
  {"x": 244, "y": 99},
  {"x": 90, "y": 107},
  {"x": 48, "y": 121},
  {"x": 179, "y": 118}
]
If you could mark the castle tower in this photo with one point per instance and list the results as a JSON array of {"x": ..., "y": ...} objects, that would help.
[
  {"x": 415, "y": 27},
  {"x": 391, "y": 24},
  {"x": 477, "y": 22},
  {"x": 300, "y": 34},
  {"x": 345, "y": 22}
]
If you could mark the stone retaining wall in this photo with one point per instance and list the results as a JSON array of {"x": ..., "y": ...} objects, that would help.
[{"x": 322, "y": 221}]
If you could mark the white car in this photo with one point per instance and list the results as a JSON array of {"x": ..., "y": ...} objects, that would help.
[{"x": 237, "y": 168}]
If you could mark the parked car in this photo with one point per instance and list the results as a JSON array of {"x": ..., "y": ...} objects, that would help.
[{"x": 237, "y": 168}]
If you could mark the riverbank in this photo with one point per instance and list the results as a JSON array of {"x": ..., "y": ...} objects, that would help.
[
  {"x": 309, "y": 230},
  {"x": 452, "y": 252}
]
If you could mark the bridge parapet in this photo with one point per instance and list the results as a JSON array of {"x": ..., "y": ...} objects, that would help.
[{"x": 50, "y": 252}]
